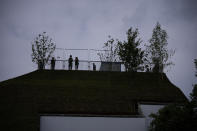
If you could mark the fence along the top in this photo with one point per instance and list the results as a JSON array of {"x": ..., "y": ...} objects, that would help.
[
  {"x": 82, "y": 54},
  {"x": 88, "y": 65},
  {"x": 86, "y": 59}
]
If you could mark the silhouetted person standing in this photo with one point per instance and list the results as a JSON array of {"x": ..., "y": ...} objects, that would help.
[
  {"x": 76, "y": 63},
  {"x": 70, "y": 63},
  {"x": 52, "y": 63},
  {"x": 94, "y": 67}
]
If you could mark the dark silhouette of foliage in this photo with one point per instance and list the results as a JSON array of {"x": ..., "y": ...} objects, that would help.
[
  {"x": 195, "y": 62},
  {"x": 42, "y": 49},
  {"x": 129, "y": 51},
  {"x": 193, "y": 95},
  {"x": 157, "y": 53},
  {"x": 110, "y": 51},
  {"x": 177, "y": 117}
]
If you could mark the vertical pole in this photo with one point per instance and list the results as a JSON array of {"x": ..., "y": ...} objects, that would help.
[
  {"x": 88, "y": 59},
  {"x": 64, "y": 58}
]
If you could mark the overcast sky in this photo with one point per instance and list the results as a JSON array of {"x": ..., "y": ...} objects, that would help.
[{"x": 87, "y": 23}]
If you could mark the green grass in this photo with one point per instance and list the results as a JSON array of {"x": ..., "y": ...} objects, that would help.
[
  {"x": 25, "y": 98},
  {"x": 90, "y": 92}
]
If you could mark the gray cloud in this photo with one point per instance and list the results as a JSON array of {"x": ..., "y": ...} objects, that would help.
[{"x": 182, "y": 10}]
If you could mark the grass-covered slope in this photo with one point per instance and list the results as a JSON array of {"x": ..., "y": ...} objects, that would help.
[
  {"x": 91, "y": 92},
  {"x": 81, "y": 92}
]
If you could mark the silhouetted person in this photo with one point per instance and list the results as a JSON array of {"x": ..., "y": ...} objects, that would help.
[
  {"x": 76, "y": 63},
  {"x": 52, "y": 63},
  {"x": 94, "y": 67},
  {"x": 70, "y": 63}
]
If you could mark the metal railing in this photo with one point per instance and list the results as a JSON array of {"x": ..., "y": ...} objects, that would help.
[{"x": 88, "y": 65}]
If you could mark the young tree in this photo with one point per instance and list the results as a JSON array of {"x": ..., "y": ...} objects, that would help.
[
  {"x": 129, "y": 51},
  {"x": 110, "y": 51},
  {"x": 158, "y": 55},
  {"x": 42, "y": 49}
]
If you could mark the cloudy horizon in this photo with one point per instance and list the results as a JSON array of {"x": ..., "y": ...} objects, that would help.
[{"x": 87, "y": 24}]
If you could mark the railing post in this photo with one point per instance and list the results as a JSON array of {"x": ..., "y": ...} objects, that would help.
[{"x": 88, "y": 59}]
